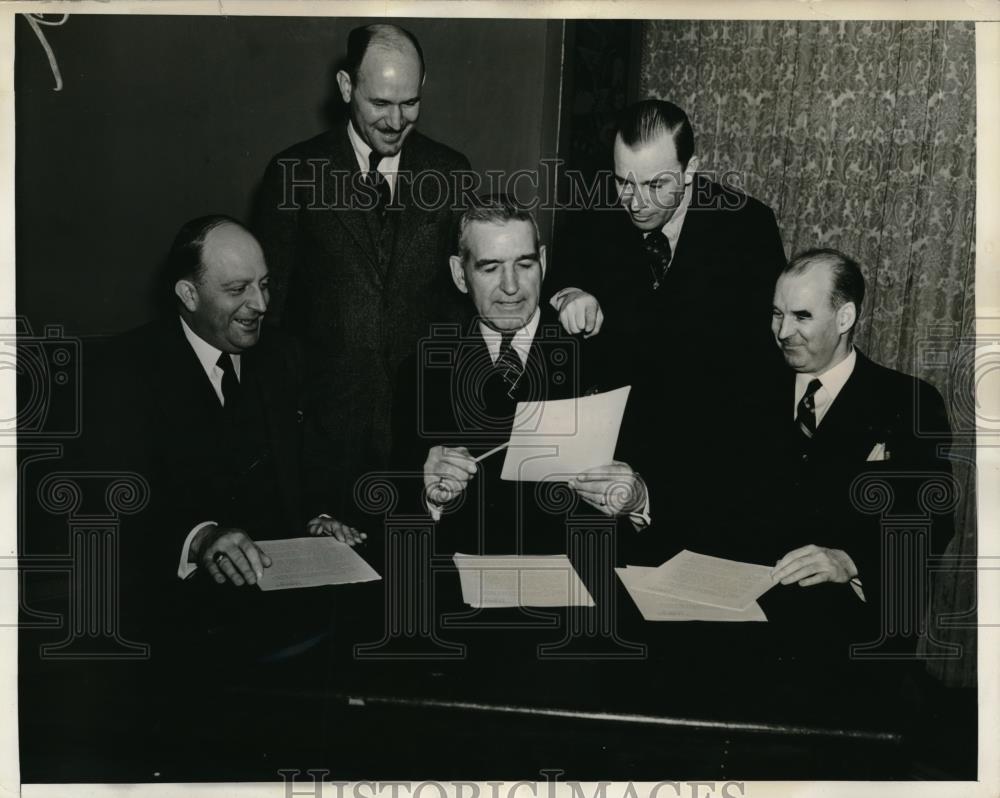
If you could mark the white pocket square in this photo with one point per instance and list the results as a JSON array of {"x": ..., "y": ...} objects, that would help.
[{"x": 878, "y": 453}]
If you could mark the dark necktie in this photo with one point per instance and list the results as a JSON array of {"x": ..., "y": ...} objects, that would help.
[
  {"x": 805, "y": 414},
  {"x": 657, "y": 249},
  {"x": 509, "y": 363},
  {"x": 230, "y": 384},
  {"x": 378, "y": 181}
]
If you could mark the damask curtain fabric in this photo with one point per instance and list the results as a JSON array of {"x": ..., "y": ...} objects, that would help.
[{"x": 860, "y": 136}]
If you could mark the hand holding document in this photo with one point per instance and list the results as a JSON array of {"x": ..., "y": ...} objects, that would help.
[
  {"x": 551, "y": 441},
  {"x": 708, "y": 580},
  {"x": 309, "y": 562},
  {"x": 660, "y": 607},
  {"x": 518, "y": 581}
]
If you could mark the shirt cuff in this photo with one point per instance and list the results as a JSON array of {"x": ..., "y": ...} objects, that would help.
[{"x": 185, "y": 568}]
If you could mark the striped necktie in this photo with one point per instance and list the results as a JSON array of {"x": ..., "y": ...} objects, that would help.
[
  {"x": 805, "y": 414},
  {"x": 509, "y": 363}
]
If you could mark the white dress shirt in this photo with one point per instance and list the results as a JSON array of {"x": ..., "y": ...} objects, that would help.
[
  {"x": 388, "y": 166},
  {"x": 832, "y": 380},
  {"x": 208, "y": 356},
  {"x": 521, "y": 342}
]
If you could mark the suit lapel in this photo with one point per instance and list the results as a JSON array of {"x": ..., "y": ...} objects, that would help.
[
  {"x": 344, "y": 162},
  {"x": 691, "y": 240},
  {"x": 181, "y": 379},
  {"x": 255, "y": 383},
  {"x": 848, "y": 427},
  {"x": 408, "y": 216}
]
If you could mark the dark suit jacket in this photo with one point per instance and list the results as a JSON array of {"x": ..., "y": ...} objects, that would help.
[
  {"x": 359, "y": 314},
  {"x": 157, "y": 414},
  {"x": 696, "y": 350},
  {"x": 806, "y": 492},
  {"x": 447, "y": 396},
  {"x": 711, "y": 311},
  {"x": 153, "y": 411}
]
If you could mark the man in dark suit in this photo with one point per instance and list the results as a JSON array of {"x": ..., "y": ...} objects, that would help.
[
  {"x": 357, "y": 227},
  {"x": 207, "y": 408},
  {"x": 684, "y": 262},
  {"x": 457, "y": 399},
  {"x": 835, "y": 419},
  {"x": 684, "y": 269},
  {"x": 210, "y": 412}
]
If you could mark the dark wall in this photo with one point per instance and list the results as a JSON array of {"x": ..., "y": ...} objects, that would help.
[{"x": 165, "y": 118}]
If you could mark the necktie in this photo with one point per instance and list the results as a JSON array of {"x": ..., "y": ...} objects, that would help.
[
  {"x": 230, "y": 384},
  {"x": 509, "y": 363},
  {"x": 377, "y": 181},
  {"x": 658, "y": 254},
  {"x": 805, "y": 414}
]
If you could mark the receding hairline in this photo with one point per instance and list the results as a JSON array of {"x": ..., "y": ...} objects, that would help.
[{"x": 390, "y": 42}]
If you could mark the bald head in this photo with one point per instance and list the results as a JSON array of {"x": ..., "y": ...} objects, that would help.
[
  {"x": 381, "y": 83},
  {"x": 224, "y": 294}
]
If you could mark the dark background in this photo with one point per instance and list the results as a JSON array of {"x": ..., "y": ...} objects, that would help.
[{"x": 162, "y": 119}]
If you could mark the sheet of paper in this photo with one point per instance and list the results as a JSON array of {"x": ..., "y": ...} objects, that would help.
[
  {"x": 709, "y": 580},
  {"x": 659, "y": 607},
  {"x": 521, "y": 581},
  {"x": 309, "y": 562},
  {"x": 551, "y": 441}
]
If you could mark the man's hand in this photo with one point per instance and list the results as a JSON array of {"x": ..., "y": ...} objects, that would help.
[
  {"x": 324, "y": 525},
  {"x": 812, "y": 565},
  {"x": 578, "y": 311},
  {"x": 447, "y": 471},
  {"x": 228, "y": 553},
  {"x": 614, "y": 489}
]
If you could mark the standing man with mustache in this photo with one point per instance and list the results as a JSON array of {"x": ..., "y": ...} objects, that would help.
[{"x": 356, "y": 224}]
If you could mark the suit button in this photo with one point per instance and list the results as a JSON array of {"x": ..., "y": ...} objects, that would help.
[{"x": 805, "y": 458}]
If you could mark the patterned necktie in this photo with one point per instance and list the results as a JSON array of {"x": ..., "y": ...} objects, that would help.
[
  {"x": 658, "y": 254},
  {"x": 378, "y": 181},
  {"x": 509, "y": 363},
  {"x": 805, "y": 415},
  {"x": 230, "y": 384}
]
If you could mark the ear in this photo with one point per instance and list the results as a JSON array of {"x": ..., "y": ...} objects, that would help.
[
  {"x": 187, "y": 293},
  {"x": 847, "y": 314},
  {"x": 692, "y": 167},
  {"x": 344, "y": 84},
  {"x": 541, "y": 259},
  {"x": 458, "y": 273}
]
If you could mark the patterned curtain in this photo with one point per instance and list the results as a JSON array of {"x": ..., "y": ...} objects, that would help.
[{"x": 861, "y": 136}]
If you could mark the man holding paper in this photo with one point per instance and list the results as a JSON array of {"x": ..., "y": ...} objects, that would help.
[{"x": 456, "y": 403}]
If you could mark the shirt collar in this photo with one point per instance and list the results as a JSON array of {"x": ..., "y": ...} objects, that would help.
[
  {"x": 207, "y": 354},
  {"x": 672, "y": 229},
  {"x": 833, "y": 379},
  {"x": 522, "y": 338},
  {"x": 387, "y": 166}
]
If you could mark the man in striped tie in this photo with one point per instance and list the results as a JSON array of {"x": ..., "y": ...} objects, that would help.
[
  {"x": 840, "y": 418},
  {"x": 466, "y": 388}
]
